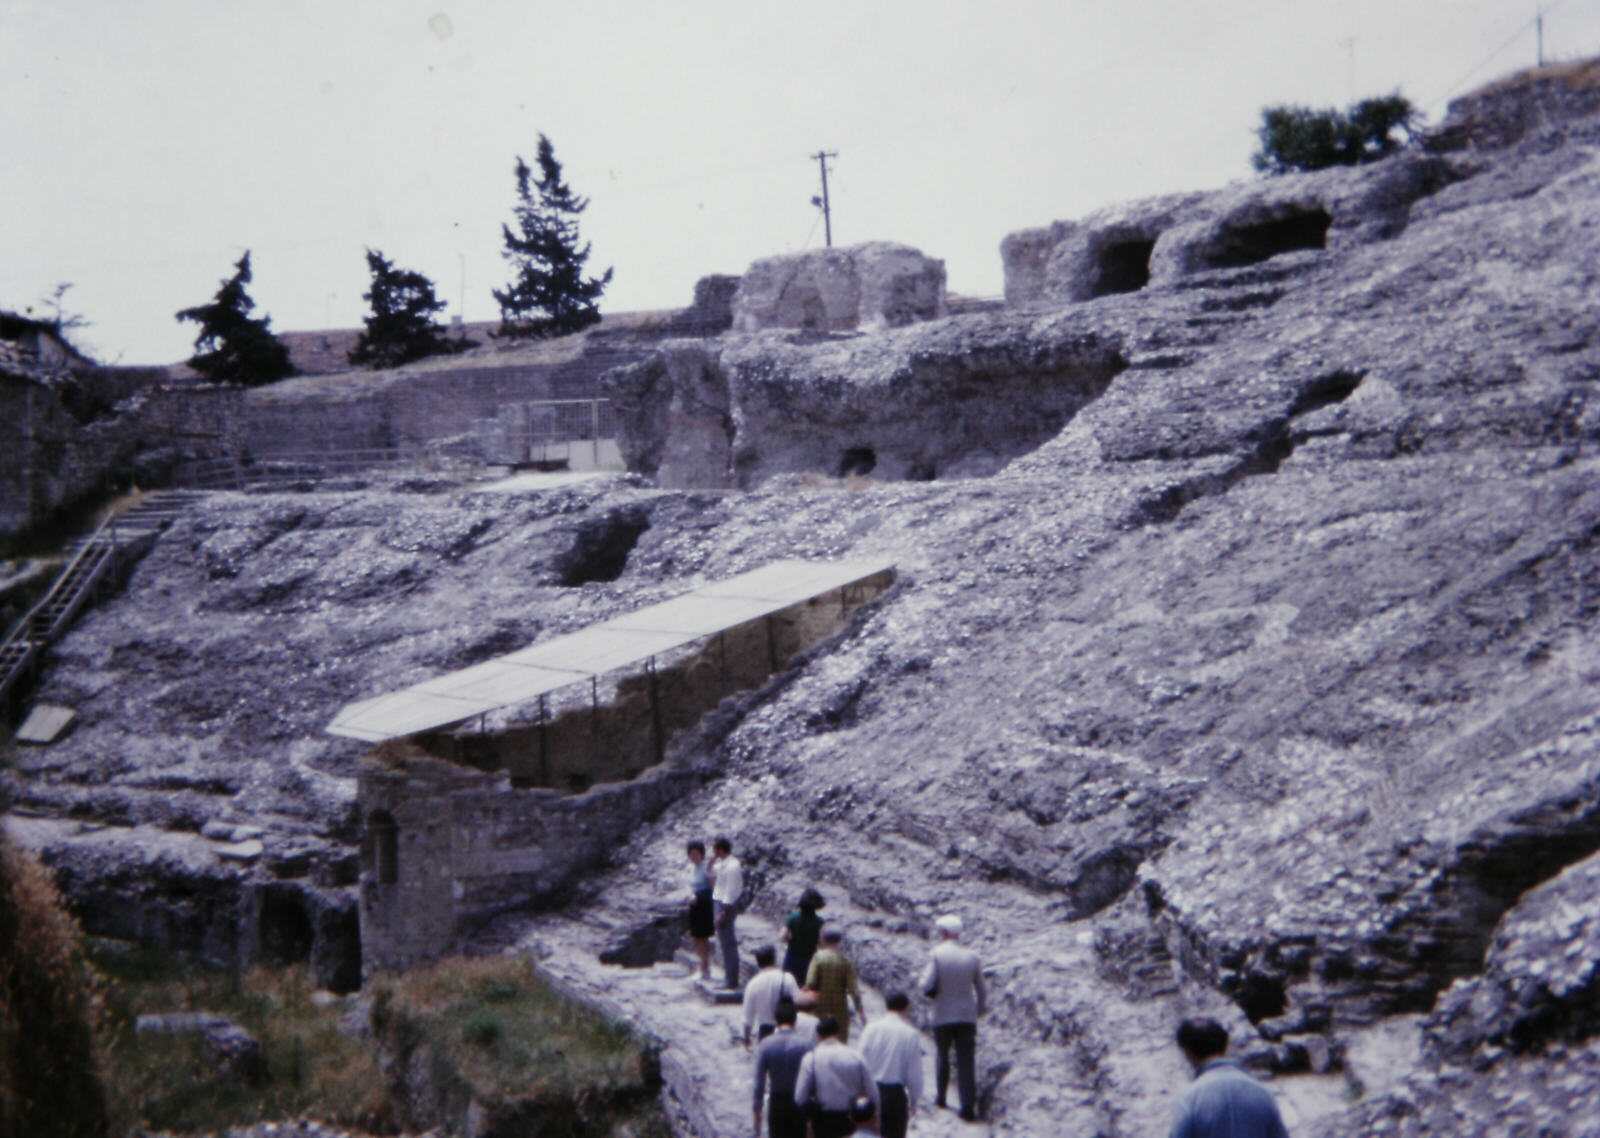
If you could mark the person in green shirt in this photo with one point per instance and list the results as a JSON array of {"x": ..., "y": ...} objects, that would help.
[
  {"x": 800, "y": 932},
  {"x": 833, "y": 978}
]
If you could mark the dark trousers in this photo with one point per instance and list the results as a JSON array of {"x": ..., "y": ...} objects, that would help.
[
  {"x": 893, "y": 1114},
  {"x": 729, "y": 945},
  {"x": 784, "y": 1119},
  {"x": 797, "y": 965},
  {"x": 965, "y": 1038},
  {"x": 832, "y": 1124}
]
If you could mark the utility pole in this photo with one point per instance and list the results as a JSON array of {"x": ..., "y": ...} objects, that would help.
[
  {"x": 1349, "y": 46},
  {"x": 1538, "y": 21},
  {"x": 822, "y": 157}
]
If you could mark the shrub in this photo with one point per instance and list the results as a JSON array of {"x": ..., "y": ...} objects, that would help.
[
  {"x": 51, "y": 1079},
  {"x": 1300, "y": 138}
]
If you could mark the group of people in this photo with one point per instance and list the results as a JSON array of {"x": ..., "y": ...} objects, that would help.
[{"x": 799, "y": 1016}]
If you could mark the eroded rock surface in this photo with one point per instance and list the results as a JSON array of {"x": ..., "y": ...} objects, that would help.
[
  {"x": 1260, "y": 678},
  {"x": 868, "y": 287}
]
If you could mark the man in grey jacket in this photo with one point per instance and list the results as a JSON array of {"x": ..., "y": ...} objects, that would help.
[{"x": 953, "y": 980}]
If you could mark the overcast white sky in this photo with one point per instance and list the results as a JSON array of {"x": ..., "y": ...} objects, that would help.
[{"x": 144, "y": 144}]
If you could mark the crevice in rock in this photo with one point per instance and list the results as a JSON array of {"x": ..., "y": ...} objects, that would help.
[
  {"x": 1270, "y": 444},
  {"x": 1249, "y": 244},
  {"x": 654, "y": 942},
  {"x": 286, "y": 932},
  {"x": 600, "y": 550}
]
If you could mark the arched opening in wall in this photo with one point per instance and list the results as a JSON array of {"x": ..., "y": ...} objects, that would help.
[
  {"x": 1124, "y": 267},
  {"x": 383, "y": 846},
  {"x": 286, "y": 932},
  {"x": 856, "y": 461},
  {"x": 1250, "y": 244}
]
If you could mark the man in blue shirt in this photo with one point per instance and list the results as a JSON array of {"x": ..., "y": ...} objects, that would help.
[
  {"x": 779, "y": 1061},
  {"x": 1223, "y": 1101}
]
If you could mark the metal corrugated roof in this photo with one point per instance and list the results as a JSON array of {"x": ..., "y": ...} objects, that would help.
[{"x": 616, "y": 643}]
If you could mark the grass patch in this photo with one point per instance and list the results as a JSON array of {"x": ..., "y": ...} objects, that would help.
[
  {"x": 171, "y": 1082},
  {"x": 494, "y": 1025},
  {"x": 486, "y": 1031}
]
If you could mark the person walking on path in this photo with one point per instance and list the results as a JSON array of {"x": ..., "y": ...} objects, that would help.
[
  {"x": 727, "y": 886},
  {"x": 800, "y": 932},
  {"x": 761, "y": 995},
  {"x": 835, "y": 1077},
  {"x": 953, "y": 980},
  {"x": 778, "y": 1066},
  {"x": 891, "y": 1047},
  {"x": 833, "y": 978},
  {"x": 1223, "y": 1101},
  {"x": 701, "y": 917}
]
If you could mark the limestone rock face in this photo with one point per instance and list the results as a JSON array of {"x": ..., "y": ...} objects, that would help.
[
  {"x": 1262, "y": 683},
  {"x": 871, "y": 286}
]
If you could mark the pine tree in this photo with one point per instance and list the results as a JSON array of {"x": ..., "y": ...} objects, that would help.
[
  {"x": 548, "y": 260},
  {"x": 233, "y": 346},
  {"x": 401, "y": 327}
]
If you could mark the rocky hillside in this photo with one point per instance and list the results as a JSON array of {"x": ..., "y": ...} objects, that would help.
[{"x": 1260, "y": 676}]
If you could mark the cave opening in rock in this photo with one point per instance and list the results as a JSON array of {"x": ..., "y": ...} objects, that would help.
[
  {"x": 856, "y": 461},
  {"x": 600, "y": 550},
  {"x": 286, "y": 932},
  {"x": 1260, "y": 997},
  {"x": 1250, "y": 244},
  {"x": 1124, "y": 267}
]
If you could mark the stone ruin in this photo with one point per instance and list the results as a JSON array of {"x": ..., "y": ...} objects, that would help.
[
  {"x": 861, "y": 288},
  {"x": 462, "y": 826}
]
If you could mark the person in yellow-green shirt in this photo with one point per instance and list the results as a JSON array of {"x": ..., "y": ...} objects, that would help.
[{"x": 833, "y": 978}]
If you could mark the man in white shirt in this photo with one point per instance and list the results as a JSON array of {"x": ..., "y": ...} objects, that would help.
[
  {"x": 891, "y": 1047},
  {"x": 727, "y": 887},
  {"x": 835, "y": 1077},
  {"x": 761, "y": 995},
  {"x": 953, "y": 980}
]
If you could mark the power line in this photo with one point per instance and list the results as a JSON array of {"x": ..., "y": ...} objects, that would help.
[{"x": 1536, "y": 22}]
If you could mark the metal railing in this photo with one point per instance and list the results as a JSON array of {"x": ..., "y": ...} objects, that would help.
[{"x": 235, "y": 473}]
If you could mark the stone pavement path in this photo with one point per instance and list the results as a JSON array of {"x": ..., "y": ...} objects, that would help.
[{"x": 705, "y": 1064}]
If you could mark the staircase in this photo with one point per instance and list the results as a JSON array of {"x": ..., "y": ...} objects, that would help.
[{"x": 95, "y": 559}]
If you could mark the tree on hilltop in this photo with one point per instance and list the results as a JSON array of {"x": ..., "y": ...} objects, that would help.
[
  {"x": 233, "y": 346},
  {"x": 401, "y": 327},
  {"x": 1299, "y": 138},
  {"x": 549, "y": 296}
]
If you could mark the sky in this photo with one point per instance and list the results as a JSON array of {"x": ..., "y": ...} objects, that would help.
[{"x": 148, "y": 143}]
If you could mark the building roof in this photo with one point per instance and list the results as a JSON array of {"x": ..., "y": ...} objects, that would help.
[{"x": 552, "y": 664}]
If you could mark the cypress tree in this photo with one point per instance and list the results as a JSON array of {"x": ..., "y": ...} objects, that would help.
[
  {"x": 232, "y": 346},
  {"x": 549, "y": 295},
  {"x": 401, "y": 326}
]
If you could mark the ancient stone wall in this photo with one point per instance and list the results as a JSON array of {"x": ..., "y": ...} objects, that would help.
[
  {"x": 872, "y": 286},
  {"x": 460, "y": 828}
]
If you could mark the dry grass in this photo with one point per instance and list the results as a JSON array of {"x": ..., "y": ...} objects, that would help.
[
  {"x": 50, "y": 1065},
  {"x": 1578, "y": 75},
  {"x": 504, "y": 1032},
  {"x": 171, "y": 1082}
]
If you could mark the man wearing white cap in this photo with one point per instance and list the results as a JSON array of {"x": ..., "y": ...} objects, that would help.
[{"x": 953, "y": 980}]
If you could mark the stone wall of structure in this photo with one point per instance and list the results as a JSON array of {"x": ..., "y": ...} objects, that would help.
[{"x": 872, "y": 286}]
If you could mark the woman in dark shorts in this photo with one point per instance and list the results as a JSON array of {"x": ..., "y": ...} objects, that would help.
[
  {"x": 702, "y": 926},
  {"x": 801, "y": 931}
]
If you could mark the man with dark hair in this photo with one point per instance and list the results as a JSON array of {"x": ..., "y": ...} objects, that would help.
[
  {"x": 833, "y": 978},
  {"x": 762, "y": 994},
  {"x": 891, "y": 1047},
  {"x": 864, "y": 1116},
  {"x": 727, "y": 887},
  {"x": 778, "y": 1060},
  {"x": 835, "y": 1077},
  {"x": 1223, "y": 1101}
]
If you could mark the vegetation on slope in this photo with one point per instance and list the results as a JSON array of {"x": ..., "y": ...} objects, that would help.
[{"x": 50, "y": 1067}]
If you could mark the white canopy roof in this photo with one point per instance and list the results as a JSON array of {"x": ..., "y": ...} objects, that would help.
[{"x": 551, "y": 664}]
